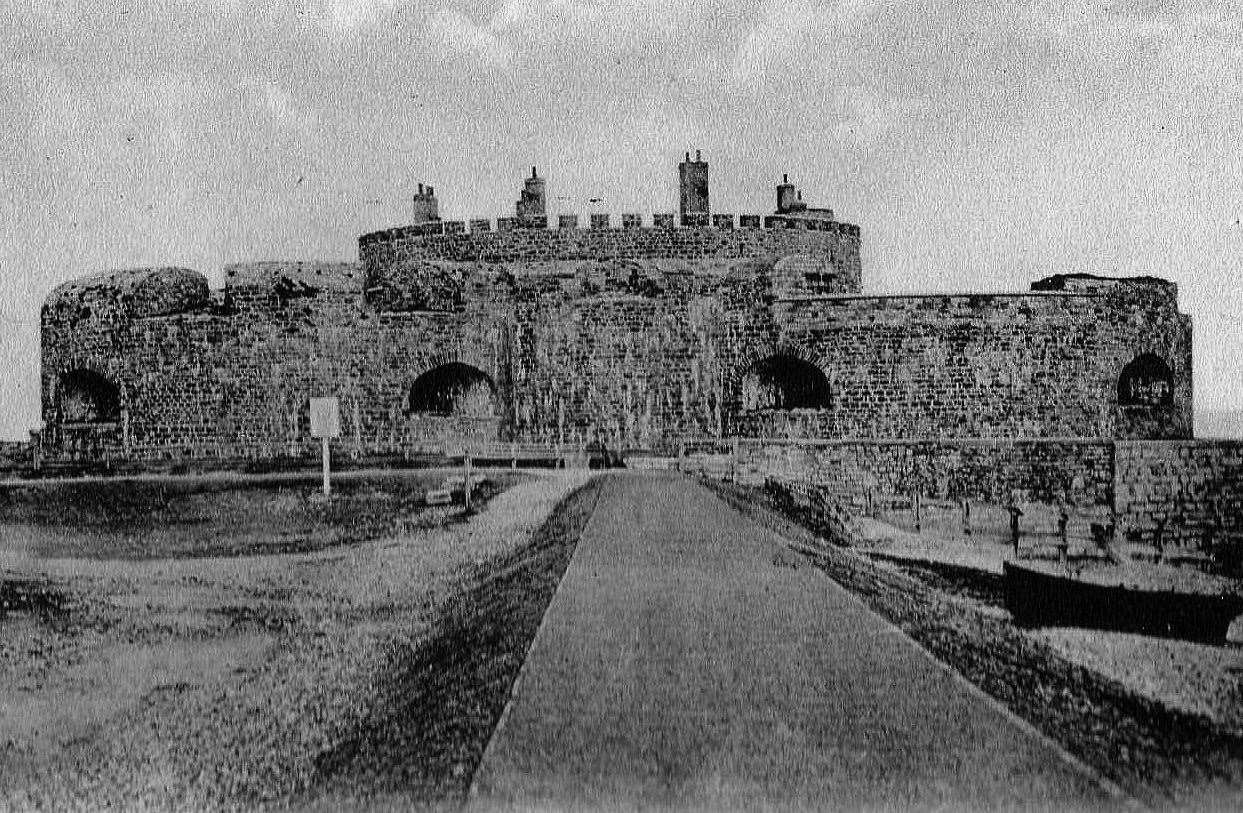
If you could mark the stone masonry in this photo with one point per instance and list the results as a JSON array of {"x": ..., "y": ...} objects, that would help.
[{"x": 643, "y": 334}]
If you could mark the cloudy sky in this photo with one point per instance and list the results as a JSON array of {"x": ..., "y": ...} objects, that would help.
[{"x": 978, "y": 145}]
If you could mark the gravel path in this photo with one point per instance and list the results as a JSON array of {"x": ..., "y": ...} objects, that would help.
[{"x": 225, "y": 683}]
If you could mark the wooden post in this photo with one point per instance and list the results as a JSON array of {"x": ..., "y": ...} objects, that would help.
[
  {"x": 327, "y": 481},
  {"x": 1015, "y": 513},
  {"x": 466, "y": 483},
  {"x": 966, "y": 516},
  {"x": 915, "y": 504},
  {"x": 1063, "y": 520}
]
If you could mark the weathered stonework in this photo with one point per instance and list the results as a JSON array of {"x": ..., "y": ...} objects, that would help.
[
  {"x": 639, "y": 337},
  {"x": 1192, "y": 490}
]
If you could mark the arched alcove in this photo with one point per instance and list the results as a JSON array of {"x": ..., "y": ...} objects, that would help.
[
  {"x": 1146, "y": 381},
  {"x": 784, "y": 382},
  {"x": 85, "y": 396},
  {"x": 455, "y": 389}
]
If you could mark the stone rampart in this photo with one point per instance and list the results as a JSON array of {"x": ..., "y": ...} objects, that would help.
[
  {"x": 993, "y": 365},
  {"x": 632, "y": 352}
]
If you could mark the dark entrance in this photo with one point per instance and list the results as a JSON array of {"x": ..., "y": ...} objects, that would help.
[{"x": 784, "y": 382}]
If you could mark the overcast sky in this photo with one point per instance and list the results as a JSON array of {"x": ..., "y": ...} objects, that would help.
[{"x": 978, "y": 145}]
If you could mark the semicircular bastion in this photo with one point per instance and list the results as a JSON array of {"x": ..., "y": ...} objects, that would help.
[{"x": 136, "y": 292}]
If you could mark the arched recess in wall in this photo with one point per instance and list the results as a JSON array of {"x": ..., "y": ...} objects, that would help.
[
  {"x": 85, "y": 396},
  {"x": 1146, "y": 381},
  {"x": 453, "y": 389},
  {"x": 784, "y": 382}
]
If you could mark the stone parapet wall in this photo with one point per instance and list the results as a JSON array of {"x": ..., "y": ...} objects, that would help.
[
  {"x": 1193, "y": 488},
  {"x": 340, "y": 276},
  {"x": 1076, "y": 470},
  {"x": 382, "y": 249}
]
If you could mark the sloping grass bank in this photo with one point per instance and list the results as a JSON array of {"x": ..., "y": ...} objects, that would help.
[{"x": 438, "y": 700}]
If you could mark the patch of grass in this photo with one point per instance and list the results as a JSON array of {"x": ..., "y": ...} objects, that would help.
[
  {"x": 30, "y": 596},
  {"x": 439, "y": 698},
  {"x": 144, "y": 519}
]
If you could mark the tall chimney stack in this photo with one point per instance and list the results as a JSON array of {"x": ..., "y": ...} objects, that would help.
[{"x": 693, "y": 189}]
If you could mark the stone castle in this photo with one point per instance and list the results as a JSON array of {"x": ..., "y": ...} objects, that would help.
[
  {"x": 691, "y": 330},
  {"x": 637, "y": 335}
]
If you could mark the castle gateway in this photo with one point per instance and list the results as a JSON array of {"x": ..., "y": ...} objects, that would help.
[{"x": 641, "y": 334}]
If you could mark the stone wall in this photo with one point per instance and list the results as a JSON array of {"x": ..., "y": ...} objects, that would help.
[
  {"x": 998, "y": 365},
  {"x": 447, "y": 241},
  {"x": 1193, "y": 488},
  {"x": 639, "y": 338},
  {"x": 991, "y": 471}
]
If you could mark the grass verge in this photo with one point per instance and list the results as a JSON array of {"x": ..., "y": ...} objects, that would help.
[
  {"x": 438, "y": 699},
  {"x": 203, "y": 517},
  {"x": 1158, "y": 755}
]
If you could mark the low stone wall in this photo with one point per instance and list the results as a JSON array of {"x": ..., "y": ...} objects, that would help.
[
  {"x": 1190, "y": 493},
  {"x": 1191, "y": 490},
  {"x": 994, "y": 471}
]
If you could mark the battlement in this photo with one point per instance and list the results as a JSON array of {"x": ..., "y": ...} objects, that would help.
[
  {"x": 659, "y": 221},
  {"x": 449, "y": 241},
  {"x": 664, "y": 238}
]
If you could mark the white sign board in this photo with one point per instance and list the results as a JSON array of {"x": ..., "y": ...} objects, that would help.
[{"x": 325, "y": 417}]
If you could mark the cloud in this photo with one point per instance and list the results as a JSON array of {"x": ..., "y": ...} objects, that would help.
[
  {"x": 775, "y": 44},
  {"x": 347, "y": 15},
  {"x": 282, "y": 107},
  {"x": 454, "y": 33}
]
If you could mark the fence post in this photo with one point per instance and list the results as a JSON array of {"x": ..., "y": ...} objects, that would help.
[
  {"x": 966, "y": 517},
  {"x": 1063, "y": 545},
  {"x": 1015, "y": 513}
]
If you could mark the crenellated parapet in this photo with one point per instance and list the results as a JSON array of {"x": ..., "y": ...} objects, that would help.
[{"x": 754, "y": 235}]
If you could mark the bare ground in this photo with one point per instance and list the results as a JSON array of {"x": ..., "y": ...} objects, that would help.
[{"x": 364, "y": 674}]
